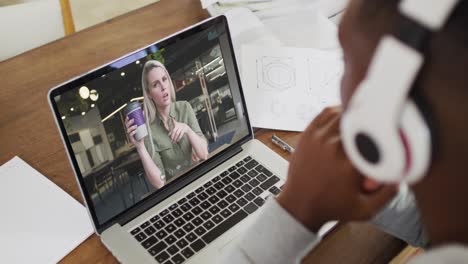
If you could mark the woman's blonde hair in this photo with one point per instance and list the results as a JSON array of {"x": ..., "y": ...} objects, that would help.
[{"x": 148, "y": 105}]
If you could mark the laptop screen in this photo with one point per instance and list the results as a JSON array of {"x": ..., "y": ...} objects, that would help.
[{"x": 138, "y": 124}]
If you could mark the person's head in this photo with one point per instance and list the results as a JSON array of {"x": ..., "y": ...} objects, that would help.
[
  {"x": 443, "y": 86},
  {"x": 158, "y": 89}
]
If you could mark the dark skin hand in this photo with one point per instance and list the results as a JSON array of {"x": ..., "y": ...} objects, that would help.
[{"x": 323, "y": 185}]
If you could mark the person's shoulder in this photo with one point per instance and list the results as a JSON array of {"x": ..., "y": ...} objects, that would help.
[{"x": 182, "y": 105}]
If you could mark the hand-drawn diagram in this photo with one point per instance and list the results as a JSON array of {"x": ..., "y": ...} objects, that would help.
[
  {"x": 275, "y": 73},
  {"x": 324, "y": 78}
]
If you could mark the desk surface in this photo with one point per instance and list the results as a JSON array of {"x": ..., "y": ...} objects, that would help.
[{"x": 28, "y": 130}]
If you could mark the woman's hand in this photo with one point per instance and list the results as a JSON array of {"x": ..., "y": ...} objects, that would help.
[
  {"x": 322, "y": 183},
  {"x": 131, "y": 131},
  {"x": 178, "y": 132}
]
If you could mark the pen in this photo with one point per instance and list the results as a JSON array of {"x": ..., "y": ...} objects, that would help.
[{"x": 282, "y": 144}]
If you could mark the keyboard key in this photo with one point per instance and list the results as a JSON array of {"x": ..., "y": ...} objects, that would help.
[
  {"x": 145, "y": 224},
  {"x": 187, "y": 253},
  {"x": 178, "y": 259},
  {"x": 164, "y": 213},
  {"x": 182, "y": 243},
  {"x": 242, "y": 202},
  {"x": 197, "y": 221},
  {"x": 259, "y": 201},
  {"x": 226, "y": 180},
  {"x": 226, "y": 213},
  {"x": 179, "y": 222},
  {"x": 249, "y": 197},
  {"x": 173, "y": 249},
  {"x": 210, "y": 191},
  {"x": 257, "y": 191},
  {"x": 219, "y": 185},
  {"x": 200, "y": 231},
  {"x": 254, "y": 182},
  {"x": 231, "y": 198},
  {"x": 234, "y": 175},
  {"x": 186, "y": 207},
  {"x": 169, "y": 262},
  {"x": 252, "y": 173},
  {"x": 229, "y": 189},
  {"x": 206, "y": 215},
  {"x": 241, "y": 170},
  {"x": 261, "y": 177},
  {"x": 162, "y": 257},
  {"x": 188, "y": 227},
  {"x": 182, "y": 201},
  {"x": 170, "y": 228},
  {"x": 221, "y": 194},
  {"x": 233, "y": 207},
  {"x": 237, "y": 183},
  {"x": 194, "y": 201},
  {"x": 172, "y": 207},
  {"x": 159, "y": 224},
  {"x": 222, "y": 204},
  {"x": 191, "y": 195},
  {"x": 224, "y": 226},
  {"x": 168, "y": 219},
  {"x": 161, "y": 234},
  {"x": 240, "y": 163},
  {"x": 179, "y": 233},
  {"x": 157, "y": 248},
  {"x": 274, "y": 190},
  {"x": 170, "y": 239},
  {"x": 150, "y": 230},
  {"x": 224, "y": 173},
  {"x": 191, "y": 237},
  {"x": 208, "y": 184},
  {"x": 149, "y": 242},
  {"x": 177, "y": 212},
  {"x": 233, "y": 168},
  {"x": 246, "y": 159},
  {"x": 155, "y": 218},
  {"x": 251, "y": 164},
  {"x": 217, "y": 219},
  {"x": 202, "y": 196},
  {"x": 239, "y": 193},
  {"x": 245, "y": 178},
  {"x": 140, "y": 236},
  {"x": 263, "y": 170},
  {"x": 135, "y": 231},
  {"x": 246, "y": 188},
  {"x": 188, "y": 216},
  {"x": 197, "y": 210},
  {"x": 205, "y": 205},
  {"x": 198, "y": 245},
  {"x": 199, "y": 189},
  {"x": 214, "y": 209},
  {"x": 213, "y": 199},
  {"x": 250, "y": 208},
  {"x": 269, "y": 183},
  {"x": 208, "y": 225}
]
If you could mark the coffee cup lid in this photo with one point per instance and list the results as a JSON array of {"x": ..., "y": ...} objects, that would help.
[{"x": 131, "y": 106}]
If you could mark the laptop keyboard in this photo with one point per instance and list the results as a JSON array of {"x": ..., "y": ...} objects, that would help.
[{"x": 188, "y": 225}]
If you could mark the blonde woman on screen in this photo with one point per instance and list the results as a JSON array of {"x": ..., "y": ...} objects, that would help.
[{"x": 174, "y": 138}]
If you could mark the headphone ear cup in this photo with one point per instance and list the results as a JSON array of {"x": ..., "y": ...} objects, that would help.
[{"x": 416, "y": 137}]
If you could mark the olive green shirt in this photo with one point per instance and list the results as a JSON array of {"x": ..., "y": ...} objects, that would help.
[{"x": 172, "y": 159}]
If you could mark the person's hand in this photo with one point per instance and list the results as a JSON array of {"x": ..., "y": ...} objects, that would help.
[
  {"x": 323, "y": 185},
  {"x": 131, "y": 131},
  {"x": 178, "y": 132}
]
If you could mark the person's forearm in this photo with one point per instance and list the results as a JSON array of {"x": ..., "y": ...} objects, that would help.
[
  {"x": 152, "y": 171},
  {"x": 199, "y": 144}
]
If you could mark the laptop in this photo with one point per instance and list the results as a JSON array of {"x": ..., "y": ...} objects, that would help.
[{"x": 203, "y": 203}]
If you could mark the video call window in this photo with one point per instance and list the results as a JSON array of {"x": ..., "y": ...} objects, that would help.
[{"x": 184, "y": 108}]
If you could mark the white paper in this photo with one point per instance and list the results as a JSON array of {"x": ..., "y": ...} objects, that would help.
[
  {"x": 285, "y": 88},
  {"x": 40, "y": 222}
]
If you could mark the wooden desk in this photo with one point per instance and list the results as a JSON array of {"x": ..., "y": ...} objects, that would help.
[{"x": 28, "y": 130}]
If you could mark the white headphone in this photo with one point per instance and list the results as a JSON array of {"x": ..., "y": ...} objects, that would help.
[{"x": 384, "y": 133}]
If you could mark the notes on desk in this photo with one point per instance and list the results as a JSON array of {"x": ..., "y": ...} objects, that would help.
[
  {"x": 40, "y": 222},
  {"x": 285, "y": 88}
]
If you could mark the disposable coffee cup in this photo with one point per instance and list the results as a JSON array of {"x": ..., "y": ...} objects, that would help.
[{"x": 134, "y": 111}]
